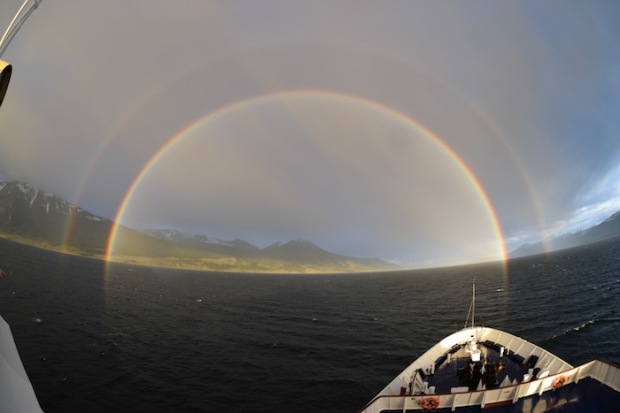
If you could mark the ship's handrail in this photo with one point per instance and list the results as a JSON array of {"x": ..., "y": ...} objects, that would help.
[
  {"x": 601, "y": 371},
  {"x": 517, "y": 345}
]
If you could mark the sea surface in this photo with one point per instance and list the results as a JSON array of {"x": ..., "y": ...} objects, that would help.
[{"x": 137, "y": 339}]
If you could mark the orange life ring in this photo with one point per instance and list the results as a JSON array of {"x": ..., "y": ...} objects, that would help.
[
  {"x": 430, "y": 403},
  {"x": 558, "y": 382}
]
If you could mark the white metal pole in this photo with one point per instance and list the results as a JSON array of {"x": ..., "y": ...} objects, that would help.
[
  {"x": 473, "y": 309},
  {"x": 16, "y": 23}
]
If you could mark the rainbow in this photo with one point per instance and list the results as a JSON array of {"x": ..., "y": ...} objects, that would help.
[{"x": 317, "y": 94}]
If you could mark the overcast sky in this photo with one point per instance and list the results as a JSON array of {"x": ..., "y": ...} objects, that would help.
[{"x": 405, "y": 130}]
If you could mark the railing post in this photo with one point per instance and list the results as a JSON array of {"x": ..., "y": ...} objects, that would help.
[{"x": 516, "y": 396}]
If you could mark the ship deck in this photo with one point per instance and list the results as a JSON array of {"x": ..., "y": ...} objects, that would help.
[
  {"x": 588, "y": 395},
  {"x": 483, "y": 368},
  {"x": 455, "y": 371}
]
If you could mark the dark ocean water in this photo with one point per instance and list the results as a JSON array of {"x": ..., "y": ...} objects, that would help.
[{"x": 143, "y": 339}]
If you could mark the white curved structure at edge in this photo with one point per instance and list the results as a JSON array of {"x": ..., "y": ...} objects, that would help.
[
  {"x": 553, "y": 367},
  {"x": 16, "y": 392}
]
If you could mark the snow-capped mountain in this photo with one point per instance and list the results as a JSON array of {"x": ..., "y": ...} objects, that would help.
[
  {"x": 42, "y": 218},
  {"x": 17, "y": 196},
  {"x": 178, "y": 236},
  {"x": 609, "y": 228},
  {"x": 235, "y": 247},
  {"x": 28, "y": 211}
]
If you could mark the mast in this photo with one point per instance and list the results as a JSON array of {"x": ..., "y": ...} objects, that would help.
[
  {"x": 472, "y": 307},
  {"x": 473, "y": 303}
]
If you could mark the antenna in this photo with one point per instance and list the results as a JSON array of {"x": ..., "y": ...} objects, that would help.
[
  {"x": 472, "y": 306},
  {"x": 5, "y": 68},
  {"x": 473, "y": 303}
]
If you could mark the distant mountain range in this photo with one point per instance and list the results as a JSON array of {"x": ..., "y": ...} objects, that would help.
[
  {"x": 36, "y": 217},
  {"x": 32, "y": 216},
  {"x": 609, "y": 228}
]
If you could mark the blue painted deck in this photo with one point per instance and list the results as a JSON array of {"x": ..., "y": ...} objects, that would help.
[{"x": 456, "y": 369}]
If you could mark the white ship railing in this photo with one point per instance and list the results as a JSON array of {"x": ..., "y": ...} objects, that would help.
[
  {"x": 605, "y": 373},
  {"x": 547, "y": 362}
]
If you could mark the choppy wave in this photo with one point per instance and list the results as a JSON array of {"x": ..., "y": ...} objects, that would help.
[{"x": 576, "y": 328}]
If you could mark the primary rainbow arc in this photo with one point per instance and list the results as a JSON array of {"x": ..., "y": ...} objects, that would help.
[{"x": 318, "y": 94}]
